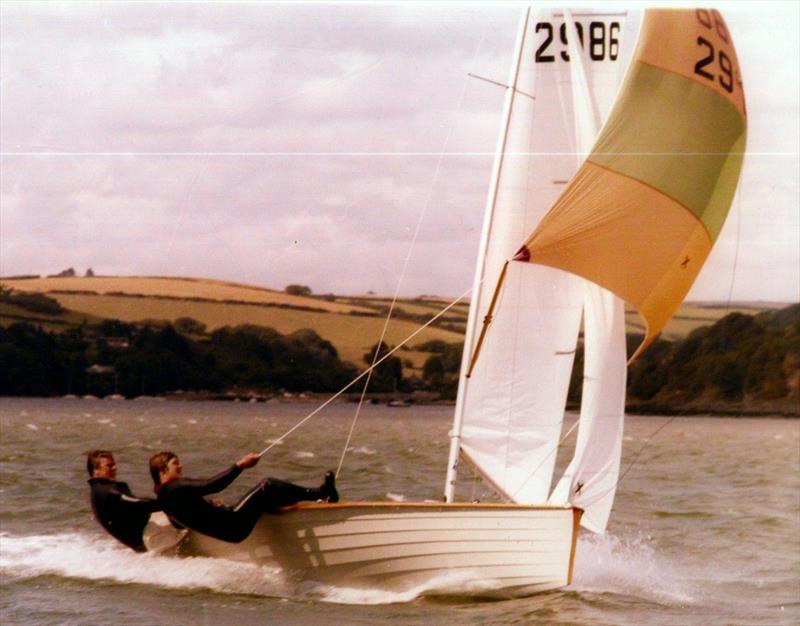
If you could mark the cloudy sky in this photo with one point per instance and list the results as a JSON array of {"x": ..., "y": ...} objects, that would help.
[{"x": 275, "y": 143}]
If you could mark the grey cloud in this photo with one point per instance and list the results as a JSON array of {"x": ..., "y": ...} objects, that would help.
[{"x": 316, "y": 81}]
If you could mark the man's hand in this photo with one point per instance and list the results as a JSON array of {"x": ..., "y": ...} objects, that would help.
[{"x": 248, "y": 460}]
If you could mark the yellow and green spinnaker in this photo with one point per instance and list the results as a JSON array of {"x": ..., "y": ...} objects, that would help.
[{"x": 642, "y": 213}]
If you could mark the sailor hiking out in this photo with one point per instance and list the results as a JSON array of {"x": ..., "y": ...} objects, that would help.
[
  {"x": 121, "y": 513},
  {"x": 183, "y": 499}
]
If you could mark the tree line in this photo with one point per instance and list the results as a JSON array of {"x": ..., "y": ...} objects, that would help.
[
  {"x": 740, "y": 357},
  {"x": 133, "y": 360}
]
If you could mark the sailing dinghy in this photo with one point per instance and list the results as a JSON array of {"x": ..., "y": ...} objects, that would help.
[{"x": 621, "y": 145}]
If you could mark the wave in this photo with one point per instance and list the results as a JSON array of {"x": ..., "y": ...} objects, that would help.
[
  {"x": 365, "y": 450},
  {"x": 88, "y": 557},
  {"x": 76, "y": 555},
  {"x": 629, "y": 566},
  {"x": 604, "y": 564}
]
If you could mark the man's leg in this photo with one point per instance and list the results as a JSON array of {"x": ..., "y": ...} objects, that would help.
[{"x": 271, "y": 494}]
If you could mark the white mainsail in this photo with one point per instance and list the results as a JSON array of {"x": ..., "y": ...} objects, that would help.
[{"x": 511, "y": 409}]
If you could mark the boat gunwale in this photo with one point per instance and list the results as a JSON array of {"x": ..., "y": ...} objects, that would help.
[{"x": 451, "y": 506}]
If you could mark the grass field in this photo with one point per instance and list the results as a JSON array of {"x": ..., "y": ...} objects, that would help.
[
  {"x": 349, "y": 323},
  {"x": 10, "y": 314},
  {"x": 416, "y": 307},
  {"x": 690, "y": 317},
  {"x": 184, "y": 288},
  {"x": 352, "y": 335}
]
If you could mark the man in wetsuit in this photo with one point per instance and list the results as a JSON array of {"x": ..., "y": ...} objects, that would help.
[
  {"x": 182, "y": 498},
  {"x": 121, "y": 513}
]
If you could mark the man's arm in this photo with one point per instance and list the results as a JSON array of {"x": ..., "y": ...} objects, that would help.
[
  {"x": 223, "y": 479},
  {"x": 144, "y": 504},
  {"x": 212, "y": 485}
]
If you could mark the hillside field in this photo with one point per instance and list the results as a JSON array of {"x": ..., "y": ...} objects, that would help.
[
  {"x": 351, "y": 326},
  {"x": 351, "y": 323}
]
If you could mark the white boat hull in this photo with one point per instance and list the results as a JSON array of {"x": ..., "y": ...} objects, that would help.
[{"x": 491, "y": 549}]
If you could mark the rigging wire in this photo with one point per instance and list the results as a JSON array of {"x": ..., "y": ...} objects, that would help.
[
  {"x": 431, "y": 186},
  {"x": 280, "y": 439},
  {"x": 736, "y": 250},
  {"x": 649, "y": 438},
  {"x": 644, "y": 445},
  {"x": 551, "y": 453}
]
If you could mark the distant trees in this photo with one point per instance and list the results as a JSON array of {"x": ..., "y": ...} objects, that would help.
[
  {"x": 258, "y": 356},
  {"x": 33, "y": 302},
  {"x": 388, "y": 375},
  {"x": 144, "y": 360},
  {"x": 441, "y": 369},
  {"x": 297, "y": 290},
  {"x": 740, "y": 357},
  {"x": 36, "y": 363},
  {"x": 189, "y": 326}
]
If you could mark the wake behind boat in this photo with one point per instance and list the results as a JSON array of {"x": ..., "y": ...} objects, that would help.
[{"x": 566, "y": 242}]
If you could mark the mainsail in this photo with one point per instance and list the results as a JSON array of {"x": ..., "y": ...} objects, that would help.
[{"x": 509, "y": 412}]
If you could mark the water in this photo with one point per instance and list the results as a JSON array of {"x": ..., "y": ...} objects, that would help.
[{"x": 705, "y": 530}]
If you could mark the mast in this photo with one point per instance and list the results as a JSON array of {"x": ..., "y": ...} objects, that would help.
[{"x": 473, "y": 321}]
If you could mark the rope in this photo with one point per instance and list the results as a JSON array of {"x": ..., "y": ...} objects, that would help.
[
  {"x": 434, "y": 180},
  {"x": 735, "y": 253},
  {"x": 644, "y": 445},
  {"x": 280, "y": 439}
]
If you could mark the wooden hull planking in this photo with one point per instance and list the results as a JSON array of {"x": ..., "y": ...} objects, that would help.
[{"x": 492, "y": 549}]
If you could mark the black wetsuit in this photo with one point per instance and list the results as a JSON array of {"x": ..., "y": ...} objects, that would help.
[
  {"x": 121, "y": 513},
  {"x": 183, "y": 500}
]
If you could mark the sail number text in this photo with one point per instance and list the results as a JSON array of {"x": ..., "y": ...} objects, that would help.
[
  {"x": 603, "y": 41},
  {"x": 723, "y": 71}
]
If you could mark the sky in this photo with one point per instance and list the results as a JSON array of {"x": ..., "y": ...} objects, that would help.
[{"x": 279, "y": 143}]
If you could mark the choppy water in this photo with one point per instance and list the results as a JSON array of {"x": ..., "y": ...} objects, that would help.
[{"x": 706, "y": 526}]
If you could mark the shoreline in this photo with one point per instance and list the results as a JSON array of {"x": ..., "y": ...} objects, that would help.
[{"x": 785, "y": 409}]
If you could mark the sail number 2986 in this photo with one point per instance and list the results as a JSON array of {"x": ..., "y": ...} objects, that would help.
[{"x": 602, "y": 39}]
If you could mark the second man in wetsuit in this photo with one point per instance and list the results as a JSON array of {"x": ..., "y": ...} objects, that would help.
[
  {"x": 183, "y": 498},
  {"x": 121, "y": 513}
]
